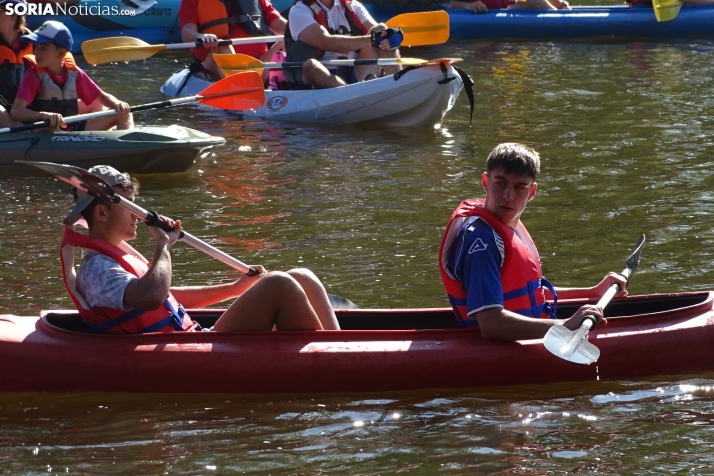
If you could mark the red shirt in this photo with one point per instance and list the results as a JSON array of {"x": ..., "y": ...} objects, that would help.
[
  {"x": 31, "y": 87},
  {"x": 188, "y": 13}
]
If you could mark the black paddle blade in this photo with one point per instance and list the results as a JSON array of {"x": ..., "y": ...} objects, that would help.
[
  {"x": 634, "y": 260},
  {"x": 76, "y": 177}
]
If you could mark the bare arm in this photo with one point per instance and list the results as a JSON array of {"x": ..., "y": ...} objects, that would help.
[
  {"x": 498, "y": 323},
  {"x": 202, "y": 296},
  {"x": 189, "y": 32},
  {"x": 316, "y": 35},
  {"x": 20, "y": 112},
  {"x": 150, "y": 291},
  {"x": 595, "y": 292},
  {"x": 277, "y": 26},
  {"x": 112, "y": 102}
]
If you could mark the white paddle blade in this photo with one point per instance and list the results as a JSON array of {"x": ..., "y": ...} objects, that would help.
[{"x": 571, "y": 346}]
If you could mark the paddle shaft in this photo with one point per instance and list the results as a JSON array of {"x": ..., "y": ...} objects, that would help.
[
  {"x": 152, "y": 219},
  {"x": 337, "y": 62},
  {"x": 236, "y": 41},
  {"x": 589, "y": 321},
  {"x": 111, "y": 112}
]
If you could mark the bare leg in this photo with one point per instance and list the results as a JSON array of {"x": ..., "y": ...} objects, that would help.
[
  {"x": 6, "y": 120},
  {"x": 122, "y": 122},
  {"x": 317, "y": 296},
  {"x": 316, "y": 74},
  {"x": 210, "y": 64},
  {"x": 277, "y": 299},
  {"x": 374, "y": 53}
]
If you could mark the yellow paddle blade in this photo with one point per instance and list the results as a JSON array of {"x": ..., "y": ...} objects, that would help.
[
  {"x": 422, "y": 28},
  {"x": 118, "y": 48},
  {"x": 235, "y": 63},
  {"x": 666, "y": 10}
]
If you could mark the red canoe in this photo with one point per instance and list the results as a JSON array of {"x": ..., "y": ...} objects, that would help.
[{"x": 379, "y": 350}]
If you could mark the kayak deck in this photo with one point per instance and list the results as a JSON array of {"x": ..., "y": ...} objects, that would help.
[
  {"x": 139, "y": 150},
  {"x": 622, "y": 313}
]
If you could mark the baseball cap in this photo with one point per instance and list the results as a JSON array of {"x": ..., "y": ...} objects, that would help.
[
  {"x": 110, "y": 175},
  {"x": 51, "y": 32}
]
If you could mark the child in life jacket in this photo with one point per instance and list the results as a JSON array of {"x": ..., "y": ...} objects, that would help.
[{"x": 53, "y": 85}]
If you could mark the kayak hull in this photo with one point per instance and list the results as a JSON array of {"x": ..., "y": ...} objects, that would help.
[
  {"x": 156, "y": 25},
  {"x": 379, "y": 351},
  {"x": 138, "y": 150},
  {"x": 415, "y": 99},
  {"x": 580, "y": 22}
]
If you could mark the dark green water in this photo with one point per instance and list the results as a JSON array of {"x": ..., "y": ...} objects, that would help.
[{"x": 625, "y": 135}]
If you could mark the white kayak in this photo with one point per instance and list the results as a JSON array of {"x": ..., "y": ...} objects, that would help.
[{"x": 418, "y": 97}]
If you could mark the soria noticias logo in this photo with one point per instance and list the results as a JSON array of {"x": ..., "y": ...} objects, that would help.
[{"x": 63, "y": 9}]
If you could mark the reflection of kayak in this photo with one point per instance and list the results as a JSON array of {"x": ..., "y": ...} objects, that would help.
[
  {"x": 139, "y": 150},
  {"x": 379, "y": 350},
  {"x": 419, "y": 98},
  {"x": 156, "y": 24},
  {"x": 580, "y": 22}
]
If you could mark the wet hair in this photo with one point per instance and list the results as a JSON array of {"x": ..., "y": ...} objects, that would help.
[
  {"x": 88, "y": 212},
  {"x": 514, "y": 158}
]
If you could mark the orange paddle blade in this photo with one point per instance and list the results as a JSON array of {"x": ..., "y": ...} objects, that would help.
[
  {"x": 237, "y": 92},
  {"x": 422, "y": 28}
]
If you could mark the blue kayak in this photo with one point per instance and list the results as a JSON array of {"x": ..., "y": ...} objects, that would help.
[
  {"x": 580, "y": 22},
  {"x": 92, "y": 19}
]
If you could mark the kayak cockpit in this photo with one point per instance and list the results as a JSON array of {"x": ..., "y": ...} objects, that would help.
[{"x": 647, "y": 309}]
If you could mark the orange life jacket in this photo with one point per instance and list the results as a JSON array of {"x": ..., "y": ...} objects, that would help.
[
  {"x": 12, "y": 68},
  {"x": 168, "y": 318},
  {"x": 213, "y": 17},
  {"x": 521, "y": 277}
]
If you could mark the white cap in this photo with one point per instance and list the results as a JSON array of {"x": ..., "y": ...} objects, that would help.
[{"x": 110, "y": 175}]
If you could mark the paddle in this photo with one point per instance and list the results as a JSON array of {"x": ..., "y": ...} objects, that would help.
[
  {"x": 666, "y": 10},
  {"x": 238, "y": 93},
  {"x": 234, "y": 63},
  {"x": 124, "y": 48},
  {"x": 423, "y": 28},
  {"x": 573, "y": 345},
  {"x": 95, "y": 186}
]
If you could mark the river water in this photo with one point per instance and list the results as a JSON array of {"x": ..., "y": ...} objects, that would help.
[{"x": 625, "y": 134}]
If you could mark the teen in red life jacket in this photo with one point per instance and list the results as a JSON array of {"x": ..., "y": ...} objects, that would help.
[
  {"x": 115, "y": 292},
  {"x": 481, "y": 271}
]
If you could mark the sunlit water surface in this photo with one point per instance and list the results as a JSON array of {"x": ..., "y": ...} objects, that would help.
[{"x": 625, "y": 135}]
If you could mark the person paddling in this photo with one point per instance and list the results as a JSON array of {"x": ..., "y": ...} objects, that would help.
[
  {"x": 117, "y": 291},
  {"x": 53, "y": 86},
  {"x": 490, "y": 265}
]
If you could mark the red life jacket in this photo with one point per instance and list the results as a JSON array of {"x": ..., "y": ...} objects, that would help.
[
  {"x": 297, "y": 50},
  {"x": 521, "y": 277},
  {"x": 168, "y": 318}
]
